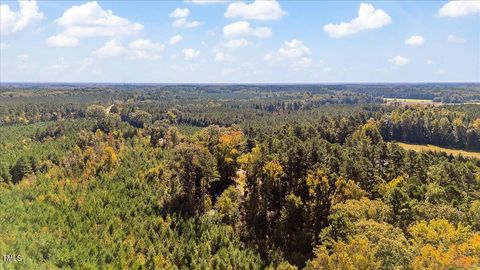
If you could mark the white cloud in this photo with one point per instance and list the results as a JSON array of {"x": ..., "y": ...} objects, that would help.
[
  {"x": 243, "y": 28},
  {"x": 3, "y": 45},
  {"x": 181, "y": 18},
  {"x": 190, "y": 54},
  {"x": 303, "y": 62},
  {"x": 8, "y": 19},
  {"x": 258, "y": 10},
  {"x": 459, "y": 8},
  {"x": 183, "y": 22},
  {"x": 111, "y": 49},
  {"x": 368, "y": 18},
  {"x": 268, "y": 57},
  {"x": 429, "y": 62},
  {"x": 180, "y": 13},
  {"x": 415, "y": 41},
  {"x": 29, "y": 14},
  {"x": 91, "y": 20},
  {"x": 201, "y": 2},
  {"x": 139, "y": 49},
  {"x": 398, "y": 60},
  {"x": 235, "y": 43},
  {"x": 145, "y": 44},
  {"x": 175, "y": 39},
  {"x": 455, "y": 39},
  {"x": 293, "y": 51},
  {"x": 220, "y": 57},
  {"x": 145, "y": 49},
  {"x": 327, "y": 69},
  {"x": 11, "y": 21},
  {"x": 62, "y": 40}
]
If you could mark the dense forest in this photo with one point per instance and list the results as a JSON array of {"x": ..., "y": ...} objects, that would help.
[{"x": 238, "y": 177}]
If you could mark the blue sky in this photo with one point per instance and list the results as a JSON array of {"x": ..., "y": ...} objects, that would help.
[{"x": 240, "y": 42}]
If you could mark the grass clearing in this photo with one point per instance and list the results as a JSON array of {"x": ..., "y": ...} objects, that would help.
[
  {"x": 411, "y": 101},
  {"x": 429, "y": 147},
  {"x": 408, "y": 100},
  {"x": 188, "y": 129}
]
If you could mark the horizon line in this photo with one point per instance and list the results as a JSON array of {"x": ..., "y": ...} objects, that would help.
[{"x": 246, "y": 83}]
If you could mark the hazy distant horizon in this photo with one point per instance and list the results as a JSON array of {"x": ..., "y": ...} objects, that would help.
[{"x": 238, "y": 83}]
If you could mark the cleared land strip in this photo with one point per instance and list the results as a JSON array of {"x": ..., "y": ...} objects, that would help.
[{"x": 429, "y": 147}]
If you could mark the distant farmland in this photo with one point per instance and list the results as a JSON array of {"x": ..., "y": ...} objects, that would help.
[{"x": 411, "y": 101}]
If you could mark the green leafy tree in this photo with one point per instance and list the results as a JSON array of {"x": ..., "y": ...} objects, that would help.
[
  {"x": 22, "y": 168},
  {"x": 196, "y": 170}
]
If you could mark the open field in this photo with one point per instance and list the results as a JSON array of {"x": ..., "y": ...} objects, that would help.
[
  {"x": 188, "y": 129},
  {"x": 411, "y": 101},
  {"x": 429, "y": 147}
]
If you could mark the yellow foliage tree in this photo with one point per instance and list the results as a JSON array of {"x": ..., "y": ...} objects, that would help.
[
  {"x": 347, "y": 190},
  {"x": 356, "y": 253},
  {"x": 441, "y": 245},
  {"x": 273, "y": 170}
]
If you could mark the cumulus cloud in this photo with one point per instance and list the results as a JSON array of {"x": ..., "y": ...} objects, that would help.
[
  {"x": 243, "y": 28},
  {"x": 139, "y": 49},
  {"x": 145, "y": 49},
  {"x": 3, "y": 45},
  {"x": 111, "y": 49},
  {"x": 235, "y": 43},
  {"x": 258, "y": 10},
  {"x": 368, "y": 18},
  {"x": 415, "y": 41},
  {"x": 91, "y": 20},
  {"x": 293, "y": 51},
  {"x": 455, "y": 39},
  {"x": 62, "y": 40},
  {"x": 181, "y": 18},
  {"x": 175, "y": 39},
  {"x": 190, "y": 54},
  {"x": 180, "y": 13},
  {"x": 201, "y": 2},
  {"x": 8, "y": 19},
  {"x": 12, "y": 22},
  {"x": 183, "y": 22},
  {"x": 398, "y": 60},
  {"x": 145, "y": 44},
  {"x": 459, "y": 8},
  {"x": 429, "y": 62}
]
